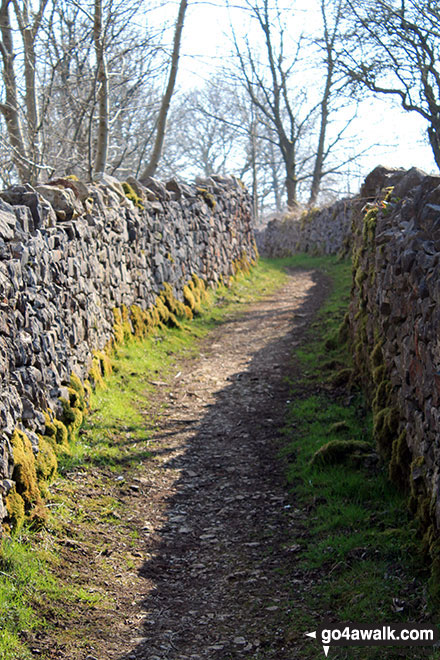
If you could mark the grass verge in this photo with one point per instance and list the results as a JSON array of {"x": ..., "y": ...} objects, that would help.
[
  {"x": 357, "y": 547},
  {"x": 41, "y": 600}
]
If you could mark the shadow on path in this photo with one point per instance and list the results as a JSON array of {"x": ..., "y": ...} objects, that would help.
[{"x": 220, "y": 577}]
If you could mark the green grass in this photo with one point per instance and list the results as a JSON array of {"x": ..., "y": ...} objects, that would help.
[
  {"x": 26, "y": 583},
  {"x": 359, "y": 546}
]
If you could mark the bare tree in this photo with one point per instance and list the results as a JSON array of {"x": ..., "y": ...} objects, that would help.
[
  {"x": 294, "y": 118},
  {"x": 394, "y": 50},
  {"x": 270, "y": 92}
]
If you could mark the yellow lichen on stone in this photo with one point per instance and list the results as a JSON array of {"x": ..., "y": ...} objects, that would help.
[
  {"x": 132, "y": 195},
  {"x": 15, "y": 508},
  {"x": 82, "y": 394},
  {"x": 46, "y": 463},
  {"x": 72, "y": 417},
  {"x": 122, "y": 330},
  {"x": 24, "y": 475},
  {"x": 141, "y": 322},
  {"x": 208, "y": 197},
  {"x": 163, "y": 311},
  {"x": 190, "y": 298},
  {"x": 56, "y": 432}
]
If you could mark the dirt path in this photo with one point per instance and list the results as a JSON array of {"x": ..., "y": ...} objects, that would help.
[
  {"x": 213, "y": 571},
  {"x": 216, "y": 526}
]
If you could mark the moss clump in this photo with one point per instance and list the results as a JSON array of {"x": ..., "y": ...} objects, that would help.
[
  {"x": 369, "y": 227},
  {"x": 241, "y": 265},
  {"x": 339, "y": 427},
  {"x": 360, "y": 277},
  {"x": 141, "y": 321},
  {"x": 24, "y": 474},
  {"x": 385, "y": 429},
  {"x": 337, "y": 452},
  {"x": 175, "y": 306},
  {"x": 122, "y": 329},
  {"x": 105, "y": 364},
  {"x": 132, "y": 196},
  {"x": 164, "y": 312},
  {"x": 46, "y": 463},
  {"x": 82, "y": 396},
  {"x": 56, "y": 432},
  {"x": 101, "y": 366},
  {"x": 382, "y": 397},
  {"x": 95, "y": 373},
  {"x": 376, "y": 357},
  {"x": 379, "y": 374},
  {"x": 399, "y": 466},
  {"x": 190, "y": 299},
  {"x": 15, "y": 509},
  {"x": 72, "y": 417},
  {"x": 342, "y": 378}
]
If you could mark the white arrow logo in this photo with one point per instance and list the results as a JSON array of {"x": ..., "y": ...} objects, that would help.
[{"x": 326, "y": 648}]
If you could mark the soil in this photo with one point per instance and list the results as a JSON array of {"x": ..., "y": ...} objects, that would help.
[{"x": 210, "y": 569}]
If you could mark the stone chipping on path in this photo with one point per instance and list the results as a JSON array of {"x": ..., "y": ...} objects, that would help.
[{"x": 216, "y": 512}]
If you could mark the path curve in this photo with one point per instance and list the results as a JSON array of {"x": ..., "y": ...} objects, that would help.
[{"x": 215, "y": 515}]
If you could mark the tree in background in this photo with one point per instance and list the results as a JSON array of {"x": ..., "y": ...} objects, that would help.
[
  {"x": 295, "y": 93},
  {"x": 394, "y": 50}
]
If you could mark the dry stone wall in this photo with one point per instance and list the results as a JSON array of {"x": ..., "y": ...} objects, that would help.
[
  {"x": 79, "y": 264},
  {"x": 394, "y": 323},
  {"x": 318, "y": 231}
]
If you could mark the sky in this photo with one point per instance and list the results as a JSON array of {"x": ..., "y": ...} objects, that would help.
[{"x": 398, "y": 136}]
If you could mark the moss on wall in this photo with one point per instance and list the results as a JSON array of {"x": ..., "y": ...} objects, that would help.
[
  {"x": 367, "y": 332},
  {"x": 33, "y": 473}
]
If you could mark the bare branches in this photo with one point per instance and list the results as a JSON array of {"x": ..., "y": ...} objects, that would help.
[{"x": 395, "y": 51}]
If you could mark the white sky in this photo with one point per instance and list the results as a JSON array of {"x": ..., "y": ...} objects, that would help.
[{"x": 399, "y": 135}]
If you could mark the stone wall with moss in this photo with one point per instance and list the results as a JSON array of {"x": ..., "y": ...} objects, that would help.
[
  {"x": 394, "y": 323},
  {"x": 84, "y": 267},
  {"x": 316, "y": 231}
]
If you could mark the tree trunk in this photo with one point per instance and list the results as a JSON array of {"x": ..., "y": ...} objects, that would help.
[
  {"x": 434, "y": 141},
  {"x": 319, "y": 158},
  {"x": 31, "y": 102},
  {"x": 9, "y": 109},
  {"x": 103, "y": 92},
  {"x": 163, "y": 112},
  {"x": 291, "y": 189},
  {"x": 289, "y": 155}
]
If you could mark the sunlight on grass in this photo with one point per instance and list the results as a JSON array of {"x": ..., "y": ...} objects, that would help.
[{"x": 359, "y": 535}]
